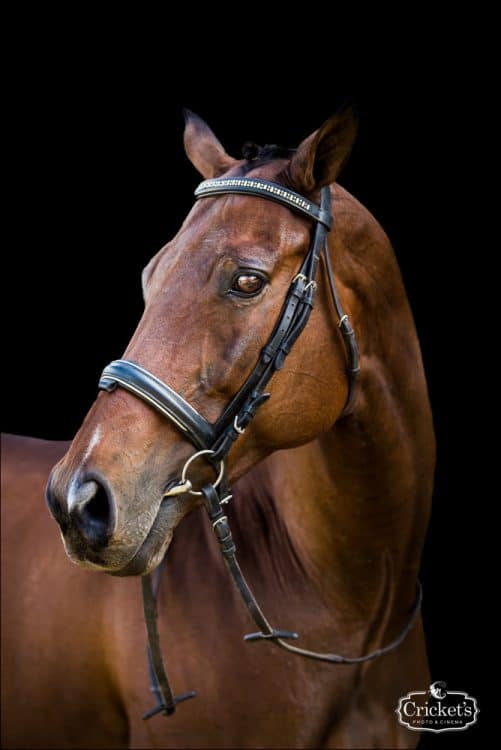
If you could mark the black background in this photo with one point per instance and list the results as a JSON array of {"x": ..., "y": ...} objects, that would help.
[{"x": 100, "y": 181}]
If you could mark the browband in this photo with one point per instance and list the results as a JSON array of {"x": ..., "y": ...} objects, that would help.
[{"x": 270, "y": 190}]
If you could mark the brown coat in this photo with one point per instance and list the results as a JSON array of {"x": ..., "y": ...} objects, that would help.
[{"x": 329, "y": 513}]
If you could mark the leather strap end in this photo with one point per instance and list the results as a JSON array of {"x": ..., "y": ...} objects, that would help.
[
  {"x": 212, "y": 504},
  {"x": 106, "y": 384},
  {"x": 271, "y": 636},
  {"x": 168, "y": 710},
  {"x": 160, "y": 709}
]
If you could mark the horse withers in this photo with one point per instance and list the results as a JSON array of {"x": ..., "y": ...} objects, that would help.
[{"x": 329, "y": 507}]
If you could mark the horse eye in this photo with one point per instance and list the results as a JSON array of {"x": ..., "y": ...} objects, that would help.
[{"x": 248, "y": 284}]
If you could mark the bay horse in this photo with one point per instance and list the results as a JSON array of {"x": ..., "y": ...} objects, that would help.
[{"x": 329, "y": 507}]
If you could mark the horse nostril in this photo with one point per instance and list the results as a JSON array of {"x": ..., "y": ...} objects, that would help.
[
  {"x": 97, "y": 510},
  {"x": 93, "y": 512}
]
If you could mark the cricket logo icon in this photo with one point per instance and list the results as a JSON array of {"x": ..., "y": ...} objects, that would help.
[{"x": 437, "y": 709}]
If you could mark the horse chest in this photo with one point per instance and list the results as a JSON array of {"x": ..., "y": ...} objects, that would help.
[{"x": 248, "y": 694}]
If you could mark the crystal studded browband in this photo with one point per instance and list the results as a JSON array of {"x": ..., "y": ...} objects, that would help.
[{"x": 271, "y": 190}]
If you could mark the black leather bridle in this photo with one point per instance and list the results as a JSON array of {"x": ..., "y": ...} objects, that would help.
[
  {"x": 219, "y": 437},
  {"x": 213, "y": 441}
]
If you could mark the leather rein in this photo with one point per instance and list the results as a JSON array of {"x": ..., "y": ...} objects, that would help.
[{"x": 213, "y": 441}]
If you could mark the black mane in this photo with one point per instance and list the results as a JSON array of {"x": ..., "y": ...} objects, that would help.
[{"x": 255, "y": 154}]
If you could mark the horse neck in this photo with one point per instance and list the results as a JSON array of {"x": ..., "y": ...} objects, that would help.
[{"x": 354, "y": 503}]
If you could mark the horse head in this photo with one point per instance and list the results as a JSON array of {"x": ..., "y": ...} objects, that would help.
[{"x": 212, "y": 297}]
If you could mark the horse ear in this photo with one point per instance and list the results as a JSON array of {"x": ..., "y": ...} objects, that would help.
[
  {"x": 203, "y": 148},
  {"x": 320, "y": 157}
]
